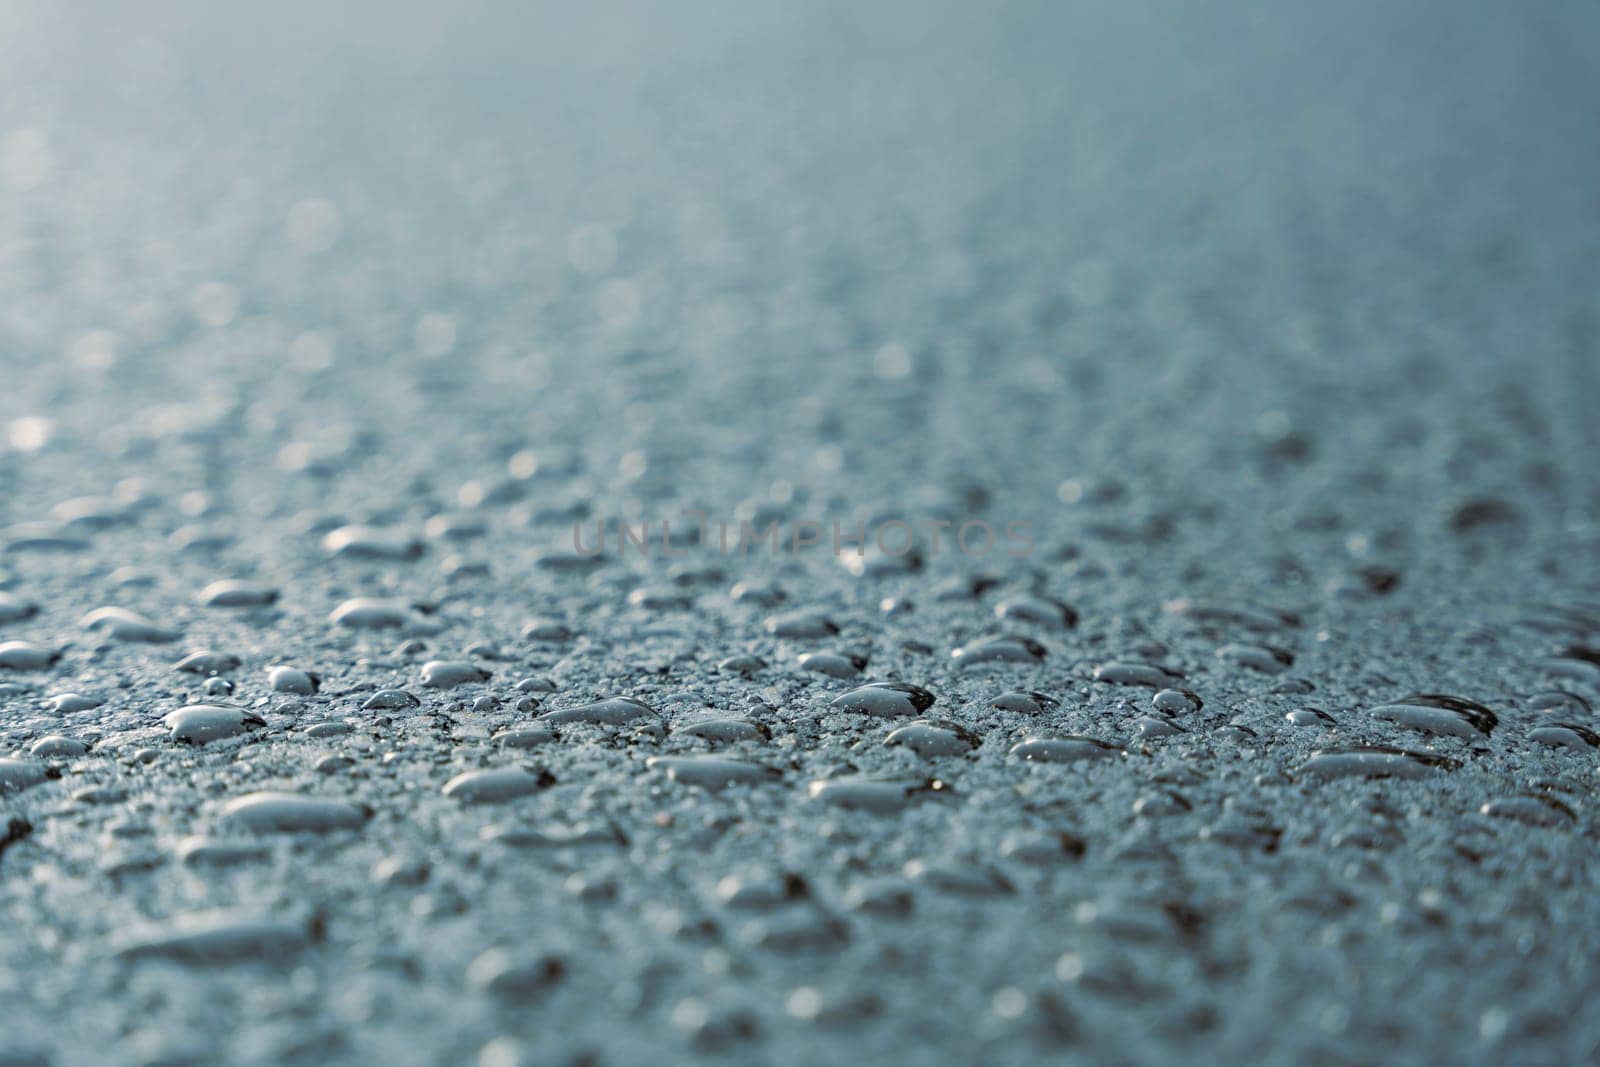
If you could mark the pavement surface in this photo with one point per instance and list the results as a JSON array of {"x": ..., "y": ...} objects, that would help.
[{"x": 1212, "y": 384}]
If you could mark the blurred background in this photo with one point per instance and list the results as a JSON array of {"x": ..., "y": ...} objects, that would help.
[{"x": 1258, "y": 260}]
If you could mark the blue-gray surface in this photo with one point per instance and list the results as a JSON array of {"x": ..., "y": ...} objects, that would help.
[{"x": 1277, "y": 325}]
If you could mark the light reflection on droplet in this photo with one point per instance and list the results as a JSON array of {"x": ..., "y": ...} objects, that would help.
[
  {"x": 618, "y": 303},
  {"x": 214, "y": 303},
  {"x": 524, "y": 464},
  {"x": 30, "y": 433},
  {"x": 314, "y": 225},
  {"x": 94, "y": 350},
  {"x": 312, "y": 351},
  {"x": 892, "y": 361},
  {"x": 633, "y": 464},
  {"x": 435, "y": 334},
  {"x": 829, "y": 459}
]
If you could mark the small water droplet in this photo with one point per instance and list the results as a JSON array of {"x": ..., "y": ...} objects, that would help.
[
  {"x": 120, "y": 624},
  {"x": 447, "y": 674},
  {"x": 1000, "y": 649},
  {"x": 496, "y": 785},
  {"x": 931, "y": 738},
  {"x": 712, "y": 772},
  {"x": 1065, "y": 748}
]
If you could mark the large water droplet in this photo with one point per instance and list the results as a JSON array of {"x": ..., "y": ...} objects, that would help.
[
  {"x": 884, "y": 699},
  {"x": 496, "y": 785},
  {"x": 269, "y": 812},
  {"x": 1375, "y": 761},
  {"x": 1435, "y": 713},
  {"x": 200, "y": 724},
  {"x": 1001, "y": 649},
  {"x": 120, "y": 624},
  {"x": 614, "y": 711}
]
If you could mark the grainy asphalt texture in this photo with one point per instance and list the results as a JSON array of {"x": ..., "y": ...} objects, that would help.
[{"x": 1264, "y": 338}]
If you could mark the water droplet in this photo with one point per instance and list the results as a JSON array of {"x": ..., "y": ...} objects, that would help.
[
  {"x": 26, "y": 656},
  {"x": 726, "y": 731},
  {"x": 665, "y": 598},
  {"x": 877, "y": 795},
  {"x": 18, "y": 774},
  {"x": 875, "y": 562},
  {"x": 1038, "y": 610},
  {"x": 1131, "y": 672},
  {"x": 1040, "y": 848},
  {"x": 30, "y": 433},
  {"x": 761, "y": 890},
  {"x": 1176, "y": 702},
  {"x": 515, "y": 977},
  {"x": 447, "y": 674},
  {"x": 1162, "y": 805},
  {"x": 745, "y": 664},
  {"x": 1530, "y": 810},
  {"x": 1024, "y": 703},
  {"x": 1565, "y": 735},
  {"x": 269, "y": 812},
  {"x": 91, "y": 513},
  {"x": 313, "y": 225},
  {"x": 523, "y": 737},
  {"x": 963, "y": 879},
  {"x": 801, "y": 626},
  {"x": 14, "y": 609},
  {"x": 1150, "y": 727},
  {"x": 200, "y": 724},
  {"x": 581, "y": 835},
  {"x": 390, "y": 700},
  {"x": 931, "y": 738},
  {"x": 614, "y": 711},
  {"x": 1066, "y": 748},
  {"x": 120, "y": 624},
  {"x": 1000, "y": 649},
  {"x": 204, "y": 662},
  {"x": 885, "y": 699},
  {"x": 496, "y": 785},
  {"x": 1435, "y": 713},
  {"x": 712, "y": 772},
  {"x": 1267, "y": 659},
  {"x": 198, "y": 851},
  {"x": 761, "y": 594},
  {"x": 292, "y": 680},
  {"x": 68, "y": 703},
  {"x": 234, "y": 593},
  {"x": 547, "y": 631},
  {"x": 832, "y": 664},
  {"x": 214, "y": 938},
  {"x": 1375, "y": 761},
  {"x": 1559, "y": 701},
  {"x": 370, "y": 613},
  {"x": 1208, "y": 613},
  {"x": 370, "y": 543},
  {"x": 55, "y": 746}
]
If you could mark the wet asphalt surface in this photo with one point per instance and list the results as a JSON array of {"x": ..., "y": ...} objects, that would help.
[{"x": 1233, "y": 370}]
